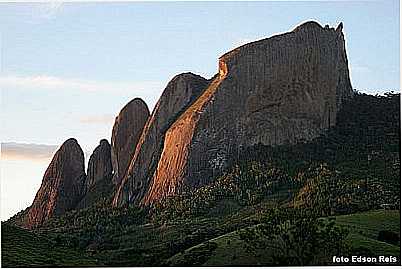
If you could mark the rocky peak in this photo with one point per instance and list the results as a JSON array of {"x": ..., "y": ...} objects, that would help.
[
  {"x": 180, "y": 92},
  {"x": 100, "y": 164},
  {"x": 279, "y": 90},
  {"x": 126, "y": 132},
  {"x": 62, "y": 187}
]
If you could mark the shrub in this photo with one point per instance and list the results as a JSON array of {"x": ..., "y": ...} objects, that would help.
[{"x": 389, "y": 237}]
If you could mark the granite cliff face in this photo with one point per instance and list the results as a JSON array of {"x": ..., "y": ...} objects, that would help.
[
  {"x": 99, "y": 185},
  {"x": 180, "y": 92},
  {"x": 100, "y": 164},
  {"x": 126, "y": 132},
  {"x": 280, "y": 90},
  {"x": 63, "y": 185}
]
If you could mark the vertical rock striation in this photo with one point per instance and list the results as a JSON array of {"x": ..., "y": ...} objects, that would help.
[
  {"x": 280, "y": 90},
  {"x": 180, "y": 92},
  {"x": 63, "y": 185},
  {"x": 126, "y": 132},
  {"x": 99, "y": 184},
  {"x": 100, "y": 164}
]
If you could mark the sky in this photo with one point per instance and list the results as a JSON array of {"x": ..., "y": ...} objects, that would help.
[{"x": 68, "y": 68}]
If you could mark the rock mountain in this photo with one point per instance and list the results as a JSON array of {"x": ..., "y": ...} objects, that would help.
[
  {"x": 63, "y": 185},
  {"x": 126, "y": 132},
  {"x": 281, "y": 90},
  {"x": 100, "y": 164}
]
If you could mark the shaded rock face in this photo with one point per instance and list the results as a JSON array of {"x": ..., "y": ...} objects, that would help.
[
  {"x": 63, "y": 185},
  {"x": 126, "y": 132},
  {"x": 100, "y": 164},
  {"x": 180, "y": 92},
  {"x": 101, "y": 191},
  {"x": 280, "y": 90},
  {"x": 99, "y": 176}
]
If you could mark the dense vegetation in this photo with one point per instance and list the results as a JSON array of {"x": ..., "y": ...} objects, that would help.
[
  {"x": 247, "y": 183},
  {"x": 22, "y": 248},
  {"x": 301, "y": 238},
  {"x": 313, "y": 200}
]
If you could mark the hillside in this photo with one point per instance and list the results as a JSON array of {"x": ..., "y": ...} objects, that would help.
[
  {"x": 356, "y": 164},
  {"x": 231, "y": 250},
  {"x": 23, "y": 248}
]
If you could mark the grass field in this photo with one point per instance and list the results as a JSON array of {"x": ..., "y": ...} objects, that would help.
[
  {"x": 229, "y": 250},
  {"x": 23, "y": 248},
  {"x": 364, "y": 228},
  {"x": 225, "y": 250},
  {"x": 206, "y": 241}
]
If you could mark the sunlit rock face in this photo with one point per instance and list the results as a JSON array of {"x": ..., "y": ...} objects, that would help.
[
  {"x": 63, "y": 185},
  {"x": 100, "y": 164},
  {"x": 126, "y": 132},
  {"x": 279, "y": 90},
  {"x": 180, "y": 92}
]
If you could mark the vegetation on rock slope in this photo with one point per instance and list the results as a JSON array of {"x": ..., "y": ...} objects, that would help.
[{"x": 352, "y": 168}]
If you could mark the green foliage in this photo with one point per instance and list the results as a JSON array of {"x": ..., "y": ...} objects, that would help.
[
  {"x": 247, "y": 183},
  {"x": 353, "y": 167},
  {"x": 365, "y": 227},
  {"x": 92, "y": 225},
  {"x": 299, "y": 238},
  {"x": 197, "y": 256},
  {"x": 24, "y": 248},
  {"x": 328, "y": 192},
  {"x": 389, "y": 237}
]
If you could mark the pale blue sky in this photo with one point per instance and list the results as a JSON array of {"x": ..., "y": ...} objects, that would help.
[
  {"x": 68, "y": 69},
  {"x": 143, "y": 45}
]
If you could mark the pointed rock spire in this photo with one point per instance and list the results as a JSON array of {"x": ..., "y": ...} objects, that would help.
[
  {"x": 63, "y": 185},
  {"x": 126, "y": 132},
  {"x": 100, "y": 164},
  {"x": 180, "y": 93}
]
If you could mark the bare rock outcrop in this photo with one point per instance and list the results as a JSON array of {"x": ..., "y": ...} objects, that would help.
[
  {"x": 99, "y": 176},
  {"x": 63, "y": 185},
  {"x": 126, "y": 132},
  {"x": 100, "y": 164},
  {"x": 180, "y": 92},
  {"x": 280, "y": 90}
]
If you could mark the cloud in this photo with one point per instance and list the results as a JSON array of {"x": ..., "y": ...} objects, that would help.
[
  {"x": 49, "y": 10},
  {"x": 98, "y": 119},
  {"x": 44, "y": 82},
  {"x": 38, "y": 12},
  {"x": 22, "y": 151}
]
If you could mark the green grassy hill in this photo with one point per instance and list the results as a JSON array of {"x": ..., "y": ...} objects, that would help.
[
  {"x": 365, "y": 228},
  {"x": 23, "y": 248},
  {"x": 197, "y": 242},
  {"x": 230, "y": 250}
]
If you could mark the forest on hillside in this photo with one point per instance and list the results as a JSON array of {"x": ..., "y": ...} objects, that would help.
[{"x": 301, "y": 204}]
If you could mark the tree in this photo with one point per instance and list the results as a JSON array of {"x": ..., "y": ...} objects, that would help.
[{"x": 295, "y": 238}]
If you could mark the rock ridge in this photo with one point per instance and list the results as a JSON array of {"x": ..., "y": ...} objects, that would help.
[
  {"x": 180, "y": 92},
  {"x": 280, "y": 90},
  {"x": 99, "y": 164},
  {"x": 126, "y": 132},
  {"x": 62, "y": 187}
]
